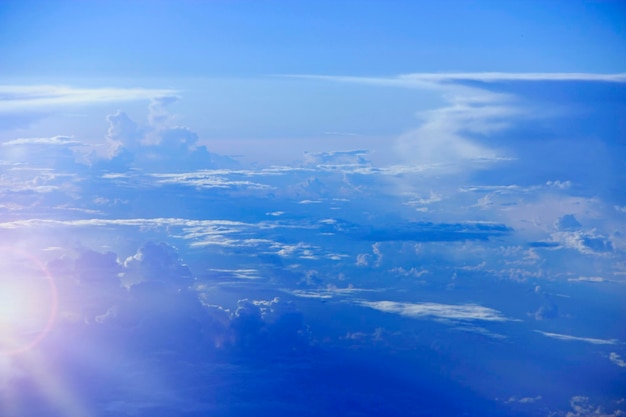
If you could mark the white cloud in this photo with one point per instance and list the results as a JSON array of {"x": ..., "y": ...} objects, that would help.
[
  {"x": 587, "y": 279},
  {"x": 329, "y": 292},
  {"x": 421, "y": 80},
  {"x": 617, "y": 360},
  {"x": 54, "y": 140},
  {"x": 156, "y": 262},
  {"x": 585, "y": 242},
  {"x": 582, "y": 407},
  {"x": 516, "y": 76},
  {"x": 13, "y": 97},
  {"x": 160, "y": 145},
  {"x": 239, "y": 273},
  {"x": 524, "y": 400},
  {"x": 139, "y": 222},
  {"x": 199, "y": 233},
  {"x": 451, "y": 138},
  {"x": 568, "y": 338},
  {"x": 481, "y": 331},
  {"x": 443, "y": 139},
  {"x": 202, "y": 179},
  {"x": 463, "y": 312}
]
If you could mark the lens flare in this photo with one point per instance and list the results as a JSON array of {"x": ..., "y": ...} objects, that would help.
[{"x": 28, "y": 301}]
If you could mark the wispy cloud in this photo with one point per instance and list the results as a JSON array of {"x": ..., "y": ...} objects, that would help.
[
  {"x": 55, "y": 140},
  {"x": 238, "y": 273},
  {"x": 568, "y": 338},
  {"x": 463, "y": 312},
  {"x": 445, "y": 138},
  {"x": 523, "y": 400},
  {"x": 139, "y": 222},
  {"x": 207, "y": 180},
  {"x": 421, "y": 80},
  {"x": 515, "y": 76},
  {"x": 450, "y": 138},
  {"x": 15, "y": 97}
]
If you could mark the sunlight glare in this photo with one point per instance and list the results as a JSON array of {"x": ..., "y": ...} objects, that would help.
[{"x": 28, "y": 302}]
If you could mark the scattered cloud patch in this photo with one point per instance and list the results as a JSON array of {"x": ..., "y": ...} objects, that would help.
[
  {"x": 207, "y": 180},
  {"x": 617, "y": 360},
  {"x": 587, "y": 279},
  {"x": 524, "y": 400},
  {"x": 582, "y": 406},
  {"x": 238, "y": 273},
  {"x": 585, "y": 242},
  {"x": 447, "y": 312}
]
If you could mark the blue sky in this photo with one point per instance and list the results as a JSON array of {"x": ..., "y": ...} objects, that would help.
[
  {"x": 244, "y": 38},
  {"x": 364, "y": 208}
]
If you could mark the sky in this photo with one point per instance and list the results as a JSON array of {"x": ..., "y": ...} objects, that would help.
[{"x": 355, "y": 208}]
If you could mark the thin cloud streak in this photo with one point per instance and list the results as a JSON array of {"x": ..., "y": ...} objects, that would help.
[
  {"x": 421, "y": 80},
  {"x": 55, "y": 140},
  {"x": 516, "y": 76},
  {"x": 155, "y": 222},
  {"x": 14, "y": 97},
  {"x": 568, "y": 338},
  {"x": 463, "y": 312}
]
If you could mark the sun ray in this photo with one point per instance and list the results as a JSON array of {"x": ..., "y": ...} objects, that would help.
[{"x": 42, "y": 378}]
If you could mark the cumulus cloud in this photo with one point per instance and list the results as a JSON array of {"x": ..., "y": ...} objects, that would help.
[
  {"x": 160, "y": 145},
  {"x": 88, "y": 283},
  {"x": 159, "y": 115},
  {"x": 159, "y": 300},
  {"x": 123, "y": 131},
  {"x": 585, "y": 242},
  {"x": 582, "y": 406},
  {"x": 156, "y": 262},
  {"x": 268, "y": 327}
]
